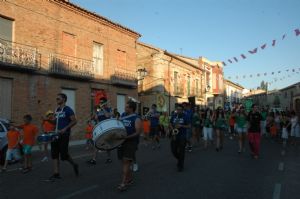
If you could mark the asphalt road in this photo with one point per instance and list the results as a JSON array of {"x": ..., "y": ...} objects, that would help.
[{"x": 207, "y": 174}]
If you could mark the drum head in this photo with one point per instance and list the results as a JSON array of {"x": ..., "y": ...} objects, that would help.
[{"x": 110, "y": 139}]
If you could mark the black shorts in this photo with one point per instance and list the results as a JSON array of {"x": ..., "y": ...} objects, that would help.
[
  {"x": 60, "y": 147},
  {"x": 127, "y": 150}
]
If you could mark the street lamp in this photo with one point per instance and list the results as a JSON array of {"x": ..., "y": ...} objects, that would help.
[{"x": 142, "y": 73}]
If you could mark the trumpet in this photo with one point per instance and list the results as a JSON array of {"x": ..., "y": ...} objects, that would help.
[
  {"x": 148, "y": 114},
  {"x": 175, "y": 130}
]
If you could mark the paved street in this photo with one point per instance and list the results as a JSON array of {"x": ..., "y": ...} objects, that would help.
[{"x": 207, "y": 174}]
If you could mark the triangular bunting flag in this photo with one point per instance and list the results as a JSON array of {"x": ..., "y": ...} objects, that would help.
[
  {"x": 263, "y": 46},
  {"x": 274, "y": 42},
  {"x": 253, "y": 51},
  {"x": 243, "y": 56},
  {"x": 297, "y": 32}
]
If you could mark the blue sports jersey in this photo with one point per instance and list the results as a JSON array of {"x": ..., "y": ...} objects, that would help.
[
  {"x": 154, "y": 119},
  {"x": 101, "y": 114},
  {"x": 180, "y": 119},
  {"x": 64, "y": 117}
]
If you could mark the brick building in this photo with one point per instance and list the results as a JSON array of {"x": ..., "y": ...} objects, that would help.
[
  {"x": 171, "y": 78},
  {"x": 53, "y": 46}
]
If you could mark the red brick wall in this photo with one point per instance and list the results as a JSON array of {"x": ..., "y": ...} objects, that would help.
[{"x": 41, "y": 24}]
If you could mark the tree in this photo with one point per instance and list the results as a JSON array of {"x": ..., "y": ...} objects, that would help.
[{"x": 263, "y": 85}]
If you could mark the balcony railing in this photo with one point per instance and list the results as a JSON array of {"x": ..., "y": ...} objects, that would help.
[
  {"x": 19, "y": 56},
  {"x": 123, "y": 78},
  {"x": 70, "y": 66}
]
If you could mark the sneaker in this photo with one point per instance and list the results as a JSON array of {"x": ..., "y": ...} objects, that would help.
[
  {"x": 54, "y": 177},
  {"x": 108, "y": 160},
  {"x": 91, "y": 161},
  {"x": 26, "y": 170},
  {"x": 45, "y": 159},
  {"x": 135, "y": 167},
  {"x": 76, "y": 171}
]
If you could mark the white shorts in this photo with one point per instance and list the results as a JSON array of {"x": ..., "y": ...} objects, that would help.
[
  {"x": 13, "y": 154},
  {"x": 284, "y": 134},
  {"x": 295, "y": 131},
  {"x": 207, "y": 133},
  {"x": 241, "y": 130}
]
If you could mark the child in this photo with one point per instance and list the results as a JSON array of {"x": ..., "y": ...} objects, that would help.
[
  {"x": 285, "y": 135},
  {"x": 13, "y": 138},
  {"x": 88, "y": 135},
  {"x": 48, "y": 127},
  {"x": 29, "y": 136}
]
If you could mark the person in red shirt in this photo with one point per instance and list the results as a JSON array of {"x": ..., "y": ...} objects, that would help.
[
  {"x": 13, "y": 138},
  {"x": 30, "y": 132},
  {"x": 48, "y": 127},
  {"x": 88, "y": 135}
]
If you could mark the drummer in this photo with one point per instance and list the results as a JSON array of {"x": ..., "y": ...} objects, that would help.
[
  {"x": 47, "y": 126},
  {"x": 103, "y": 113},
  {"x": 126, "y": 152}
]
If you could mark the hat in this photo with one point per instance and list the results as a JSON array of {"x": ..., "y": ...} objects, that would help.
[{"x": 49, "y": 112}]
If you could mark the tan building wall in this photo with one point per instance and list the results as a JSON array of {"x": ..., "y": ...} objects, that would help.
[
  {"x": 48, "y": 27},
  {"x": 160, "y": 80}
]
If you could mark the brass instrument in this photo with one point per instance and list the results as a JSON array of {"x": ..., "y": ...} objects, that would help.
[{"x": 175, "y": 130}]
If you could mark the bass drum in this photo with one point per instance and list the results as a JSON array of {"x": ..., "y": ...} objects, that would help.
[{"x": 108, "y": 134}]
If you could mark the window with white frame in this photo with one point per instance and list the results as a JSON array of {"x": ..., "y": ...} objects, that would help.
[{"x": 98, "y": 58}]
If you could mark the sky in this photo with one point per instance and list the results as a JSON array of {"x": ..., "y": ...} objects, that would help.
[{"x": 218, "y": 30}]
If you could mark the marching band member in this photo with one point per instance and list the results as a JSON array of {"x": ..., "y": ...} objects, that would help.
[
  {"x": 65, "y": 120},
  {"x": 179, "y": 123},
  {"x": 103, "y": 113},
  {"x": 126, "y": 152},
  {"x": 154, "y": 124}
]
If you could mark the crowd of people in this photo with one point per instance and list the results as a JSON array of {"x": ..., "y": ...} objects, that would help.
[{"x": 186, "y": 127}]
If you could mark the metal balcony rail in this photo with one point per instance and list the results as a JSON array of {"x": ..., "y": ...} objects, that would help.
[
  {"x": 18, "y": 55},
  {"x": 124, "y": 78},
  {"x": 71, "y": 66}
]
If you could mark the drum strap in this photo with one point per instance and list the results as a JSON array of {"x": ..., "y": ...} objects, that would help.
[{"x": 127, "y": 116}]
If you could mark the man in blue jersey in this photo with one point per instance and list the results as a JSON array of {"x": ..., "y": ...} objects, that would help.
[
  {"x": 154, "y": 126},
  {"x": 103, "y": 113},
  {"x": 126, "y": 152},
  {"x": 65, "y": 119},
  {"x": 189, "y": 115},
  {"x": 180, "y": 122}
]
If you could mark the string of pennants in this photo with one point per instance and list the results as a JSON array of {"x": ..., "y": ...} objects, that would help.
[
  {"x": 293, "y": 70},
  {"x": 282, "y": 78},
  {"x": 255, "y": 50}
]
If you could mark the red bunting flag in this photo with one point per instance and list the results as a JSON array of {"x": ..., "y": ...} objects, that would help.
[
  {"x": 274, "y": 42},
  {"x": 263, "y": 46},
  {"x": 253, "y": 51},
  {"x": 243, "y": 56},
  {"x": 235, "y": 59},
  {"x": 224, "y": 63},
  {"x": 283, "y": 36},
  {"x": 229, "y": 61},
  {"x": 297, "y": 32}
]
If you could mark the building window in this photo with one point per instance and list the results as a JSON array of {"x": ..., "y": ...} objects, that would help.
[
  {"x": 98, "y": 58},
  {"x": 6, "y": 28},
  {"x": 6, "y": 87},
  {"x": 175, "y": 82},
  {"x": 188, "y": 86},
  {"x": 121, "y": 58},
  {"x": 71, "y": 98},
  {"x": 69, "y": 44}
]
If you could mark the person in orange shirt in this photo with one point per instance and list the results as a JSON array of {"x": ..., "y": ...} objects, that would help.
[
  {"x": 30, "y": 132},
  {"x": 48, "y": 127},
  {"x": 146, "y": 129},
  {"x": 88, "y": 135},
  {"x": 13, "y": 138}
]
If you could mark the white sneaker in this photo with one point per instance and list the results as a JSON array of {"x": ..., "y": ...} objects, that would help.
[
  {"x": 45, "y": 159},
  {"x": 135, "y": 167}
]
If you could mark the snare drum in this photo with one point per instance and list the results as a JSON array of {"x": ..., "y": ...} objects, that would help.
[
  {"x": 47, "y": 137},
  {"x": 108, "y": 134}
]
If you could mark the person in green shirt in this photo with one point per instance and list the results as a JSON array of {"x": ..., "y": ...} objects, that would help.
[
  {"x": 164, "y": 123},
  {"x": 208, "y": 127},
  {"x": 241, "y": 122},
  {"x": 221, "y": 126}
]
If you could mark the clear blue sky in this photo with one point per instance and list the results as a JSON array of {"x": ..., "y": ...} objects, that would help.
[{"x": 218, "y": 30}]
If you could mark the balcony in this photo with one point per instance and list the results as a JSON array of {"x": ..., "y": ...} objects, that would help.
[
  {"x": 179, "y": 92},
  {"x": 71, "y": 67},
  {"x": 123, "y": 78},
  {"x": 18, "y": 56}
]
